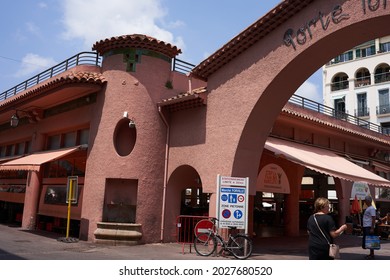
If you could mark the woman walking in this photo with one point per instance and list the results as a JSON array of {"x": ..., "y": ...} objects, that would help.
[{"x": 321, "y": 221}]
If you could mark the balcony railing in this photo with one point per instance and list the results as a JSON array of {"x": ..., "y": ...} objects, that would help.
[
  {"x": 318, "y": 107},
  {"x": 382, "y": 78},
  {"x": 383, "y": 109},
  {"x": 362, "y": 81},
  {"x": 181, "y": 66},
  {"x": 362, "y": 112},
  {"x": 83, "y": 58},
  {"x": 339, "y": 85}
]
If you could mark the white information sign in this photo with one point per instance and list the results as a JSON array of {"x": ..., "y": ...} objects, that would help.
[{"x": 232, "y": 203}]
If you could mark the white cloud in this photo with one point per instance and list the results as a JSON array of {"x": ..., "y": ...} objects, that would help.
[
  {"x": 42, "y": 5},
  {"x": 95, "y": 20},
  {"x": 33, "y": 64},
  {"x": 33, "y": 28},
  {"x": 310, "y": 91}
]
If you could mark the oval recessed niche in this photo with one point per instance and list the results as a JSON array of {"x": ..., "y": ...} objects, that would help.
[{"x": 125, "y": 136}]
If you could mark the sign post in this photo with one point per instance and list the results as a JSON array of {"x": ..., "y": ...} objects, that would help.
[
  {"x": 71, "y": 198},
  {"x": 232, "y": 202}
]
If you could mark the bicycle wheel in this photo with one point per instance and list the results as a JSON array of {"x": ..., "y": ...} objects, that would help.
[
  {"x": 240, "y": 246},
  {"x": 205, "y": 244}
]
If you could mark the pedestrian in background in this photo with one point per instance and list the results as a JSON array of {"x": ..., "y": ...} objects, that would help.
[
  {"x": 369, "y": 218},
  {"x": 321, "y": 221}
]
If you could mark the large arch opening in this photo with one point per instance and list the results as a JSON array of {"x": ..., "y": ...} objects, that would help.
[
  {"x": 184, "y": 197},
  {"x": 285, "y": 83}
]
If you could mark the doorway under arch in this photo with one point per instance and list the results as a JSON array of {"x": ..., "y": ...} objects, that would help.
[{"x": 184, "y": 196}]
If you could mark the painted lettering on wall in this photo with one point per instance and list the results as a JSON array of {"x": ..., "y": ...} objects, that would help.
[
  {"x": 336, "y": 16},
  {"x": 373, "y": 5},
  {"x": 272, "y": 177},
  {"x": 294, "y": 37}
]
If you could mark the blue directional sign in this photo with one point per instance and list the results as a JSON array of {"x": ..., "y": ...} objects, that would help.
[{"x": 238, "y": 214}]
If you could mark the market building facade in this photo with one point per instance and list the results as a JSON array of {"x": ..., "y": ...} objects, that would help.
[{"x": 147, "y": 142}]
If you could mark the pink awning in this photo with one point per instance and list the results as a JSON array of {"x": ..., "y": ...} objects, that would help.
[
  {"x": 323, "y": 161},
  {"x": 34, "y": 161}
]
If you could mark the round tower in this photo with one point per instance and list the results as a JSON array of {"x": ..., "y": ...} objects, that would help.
[{"x": 124, "y": 182}]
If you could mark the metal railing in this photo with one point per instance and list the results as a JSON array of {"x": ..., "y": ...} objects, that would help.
[
  {"x": 181, "y": 66},
  {"x": 382, "y": 77},
  {"x": 362, "y": 112},
  {"x": 320, "y": 108},
  {"x": 83, "y": 58},
  {"x": 335, "y": 86},
  {"x": 383, "y": 109}
]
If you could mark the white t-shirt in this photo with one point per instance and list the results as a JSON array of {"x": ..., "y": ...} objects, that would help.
[{"x": 367, "y": 217}]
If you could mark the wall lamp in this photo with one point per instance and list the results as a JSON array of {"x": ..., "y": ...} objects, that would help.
[
  {"x": 33, "y": 116},
  {"x": 131, "y": 121},
  {"x": 14, "y": 120}
]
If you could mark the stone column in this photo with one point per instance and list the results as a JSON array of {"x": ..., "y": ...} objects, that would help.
[{"x": 31, "y": 200}]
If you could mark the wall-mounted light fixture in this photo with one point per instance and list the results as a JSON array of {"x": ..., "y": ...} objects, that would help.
[
  {"x": 14, "y": 120},
  {"x": 131, "y": 123},
  {"x": 34, "y": 115}
]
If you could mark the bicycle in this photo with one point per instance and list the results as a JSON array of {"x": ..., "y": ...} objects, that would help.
[{"x": 239, "y": 245}]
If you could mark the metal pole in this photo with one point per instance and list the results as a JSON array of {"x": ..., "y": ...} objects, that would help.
[{"x": 70, "y": 195}]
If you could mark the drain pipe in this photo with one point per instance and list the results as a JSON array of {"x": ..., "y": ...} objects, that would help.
[{"x": 165, "y": 174}]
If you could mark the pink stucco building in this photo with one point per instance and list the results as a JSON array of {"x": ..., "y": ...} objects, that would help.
[{"x": 147, "y": 142}]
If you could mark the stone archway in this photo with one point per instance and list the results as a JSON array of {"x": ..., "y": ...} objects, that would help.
[
  {"x": 253, "y": 76},
  {"x": 183, "y": 178}
]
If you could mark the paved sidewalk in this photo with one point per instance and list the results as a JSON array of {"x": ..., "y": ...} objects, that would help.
[{"x": 17, "y": 244}]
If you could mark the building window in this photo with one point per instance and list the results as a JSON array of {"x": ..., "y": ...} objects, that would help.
[
  {"x": 385, "y": 130},
  {"x": 84, "y": 136},
  {"x": 362, "y": 77},
  {"x": 70, "y": 139},
  {"x": 384, "y": 47},
  {"x": 343, "y": 57},
  {"x": 340, "y": 82},
  {"x": 67, "y": 139},
  {"x": 56, "y": 194},
  {"x": 364, "y": 52},
  {"x": 307, "y": 181},
  {"x": 362, "y": 109},
  {"x": 20, "y": 148},
  {"x": 54, "y": 142},
  {"x": 339, "y": 107},
  {"x": 384, "y": 104},
  {"x": 382, "y": 73},
  {"x": 382, "y": 193}
]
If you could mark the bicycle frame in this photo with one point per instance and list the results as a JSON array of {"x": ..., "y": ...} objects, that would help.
[{"x": 238, "y": 245}]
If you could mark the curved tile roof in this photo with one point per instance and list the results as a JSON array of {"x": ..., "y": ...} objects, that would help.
[
  {"x": 294, "y": 110},
  {"x": 249, "y": 37},
  {"x": 68, "y": 78},
  {"x": 136, "y": 41}
]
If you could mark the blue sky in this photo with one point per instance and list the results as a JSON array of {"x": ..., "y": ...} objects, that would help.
[{"x": 36, "y": 35}]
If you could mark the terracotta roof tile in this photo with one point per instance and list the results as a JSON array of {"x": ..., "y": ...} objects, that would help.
[
  {"x": 136, "y": 41},
  {"x": 66, "y": 78},
  {"x": 329, "y": 121},
  {"x": 187, "y": 100},
  {"x": 249, "y": 37}
]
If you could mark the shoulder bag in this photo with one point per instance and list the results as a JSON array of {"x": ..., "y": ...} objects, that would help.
[{"x": 334, "y": 249}]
